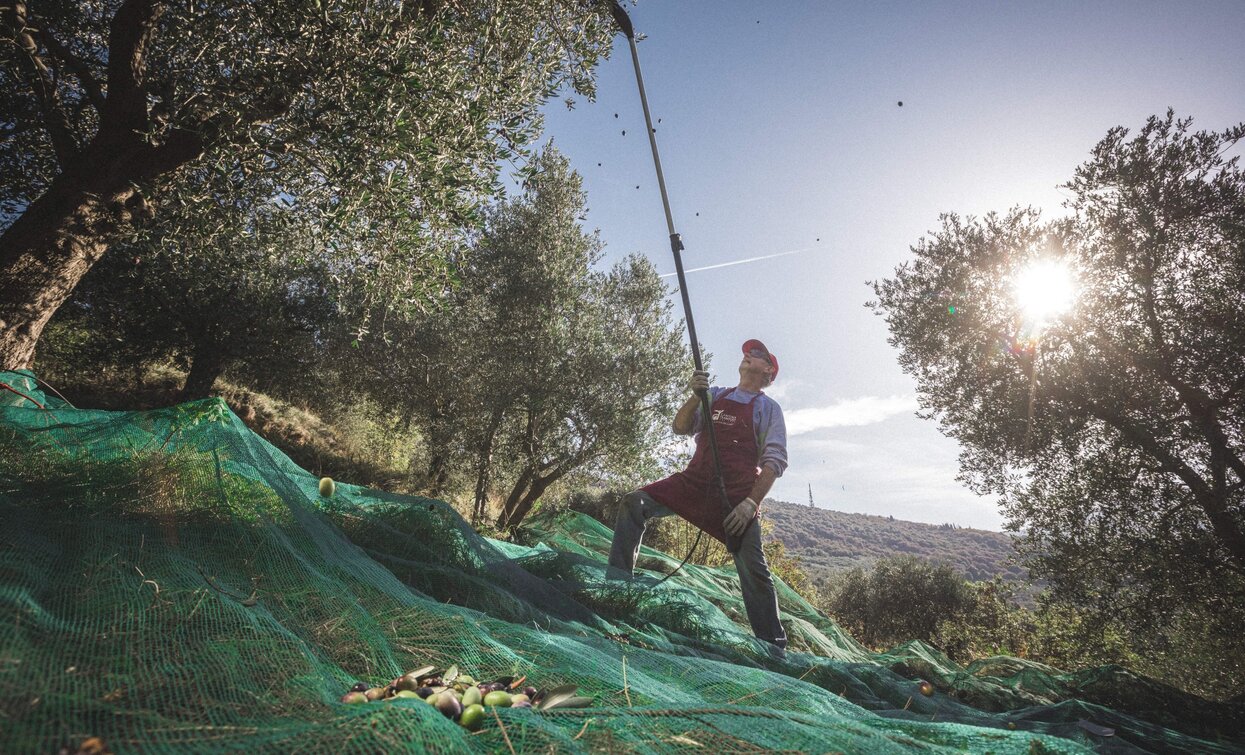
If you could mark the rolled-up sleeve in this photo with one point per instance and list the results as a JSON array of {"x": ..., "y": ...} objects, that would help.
[{"x": 771, "y": 436}]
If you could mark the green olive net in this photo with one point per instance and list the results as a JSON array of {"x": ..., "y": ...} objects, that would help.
[{"x": 170, "y": 582}]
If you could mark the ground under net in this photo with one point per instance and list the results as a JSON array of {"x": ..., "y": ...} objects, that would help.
[{"x": 170, "y": 582}]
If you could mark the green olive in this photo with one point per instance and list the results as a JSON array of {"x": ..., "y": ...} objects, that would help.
[{"x": 472, "y": 717}]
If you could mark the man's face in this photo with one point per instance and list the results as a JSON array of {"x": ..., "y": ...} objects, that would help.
[{"x": 756, "y": 362}]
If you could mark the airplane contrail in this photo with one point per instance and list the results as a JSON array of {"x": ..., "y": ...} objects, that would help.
[{"x": 738, "y": 262}]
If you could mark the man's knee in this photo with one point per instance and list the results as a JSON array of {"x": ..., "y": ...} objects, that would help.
[{"x": 632, "y": 508}]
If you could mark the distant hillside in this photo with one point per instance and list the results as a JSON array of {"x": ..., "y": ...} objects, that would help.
[{"x": 834, "y": 541}]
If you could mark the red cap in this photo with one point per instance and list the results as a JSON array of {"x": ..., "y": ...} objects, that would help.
[{"x": 753, "y": 343}]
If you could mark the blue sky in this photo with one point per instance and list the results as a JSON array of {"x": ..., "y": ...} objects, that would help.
[{"x": 781, "y": 130}]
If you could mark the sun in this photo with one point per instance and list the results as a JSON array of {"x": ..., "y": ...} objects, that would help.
[{"x": 1045, "y": 290}]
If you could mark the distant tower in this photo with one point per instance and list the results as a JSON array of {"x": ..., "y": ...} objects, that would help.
[{"x": 810, "y": 495}]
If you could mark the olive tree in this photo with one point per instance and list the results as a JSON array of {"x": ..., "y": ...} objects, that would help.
[
  {"x": 532, "y": 365},
  {"x": 357, "y": 110},
  {"x": 1113, "y": 432},
  {"x": 570, "y": 367}
]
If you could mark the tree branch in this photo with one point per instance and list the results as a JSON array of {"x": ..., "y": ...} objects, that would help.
[
  {"x": 1211, "y": 501},
  {"x": 1140, "y": 437},
  {"x": 125, "y": 110},
  {"x": 79, "y": 67},
  {"x": 179, "y": 147},
  {"x": 1230, "y": 394},
  {"x": 54, "y": 119},
  {"x": 1199, "y": 404}
]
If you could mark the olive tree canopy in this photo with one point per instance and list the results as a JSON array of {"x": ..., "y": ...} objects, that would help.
[
  {"x": 356, "y": 111},
  {"x": 1114, "y": 431}
]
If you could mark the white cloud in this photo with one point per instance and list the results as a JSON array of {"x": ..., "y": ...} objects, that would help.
[
  {"x": 782, "y": 390},
  {"x": 855, "y": 412}
]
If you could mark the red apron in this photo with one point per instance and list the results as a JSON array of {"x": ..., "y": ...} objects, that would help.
[{"x": 691, "y": 493}]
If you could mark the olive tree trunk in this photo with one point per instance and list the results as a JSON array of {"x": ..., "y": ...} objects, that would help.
[
  {"x": 55, "y": 242},
  {"x": 95, "y": 197}
]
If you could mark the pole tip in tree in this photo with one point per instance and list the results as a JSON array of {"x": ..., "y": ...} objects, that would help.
[{"x": 621, "y": 18}]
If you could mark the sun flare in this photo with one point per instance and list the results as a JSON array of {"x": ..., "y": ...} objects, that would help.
[{"x": 1045, "y": 290}]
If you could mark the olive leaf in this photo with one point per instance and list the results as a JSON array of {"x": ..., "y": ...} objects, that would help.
[
  {"x": 568, "y": 702},
  {"x": 557, "y": 695},
  {"x": 450, "y": 674}
]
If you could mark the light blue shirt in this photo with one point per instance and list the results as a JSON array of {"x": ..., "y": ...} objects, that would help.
[{"x": 767, "y": 422}]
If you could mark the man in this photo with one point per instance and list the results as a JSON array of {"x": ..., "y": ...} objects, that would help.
[{"x": 752, "y": 444}]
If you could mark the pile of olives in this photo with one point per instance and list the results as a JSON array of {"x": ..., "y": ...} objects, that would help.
[{"x": 461, "y": 698}]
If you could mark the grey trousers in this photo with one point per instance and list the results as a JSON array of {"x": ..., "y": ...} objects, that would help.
[{"x": 755, "y": 581}]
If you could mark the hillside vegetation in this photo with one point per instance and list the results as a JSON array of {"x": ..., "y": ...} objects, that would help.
[{"x": 827, "y": 542}]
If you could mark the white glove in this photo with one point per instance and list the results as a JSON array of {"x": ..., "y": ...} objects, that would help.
[
  {"x": 698, "y": 382},
  {"x": 737, "y": 521}
]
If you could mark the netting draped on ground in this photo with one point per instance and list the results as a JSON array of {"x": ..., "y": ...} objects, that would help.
[{"x": 172, "y": 582}]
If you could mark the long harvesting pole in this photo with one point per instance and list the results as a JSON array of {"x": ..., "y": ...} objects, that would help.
[{"x": 676, "y": 246}]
